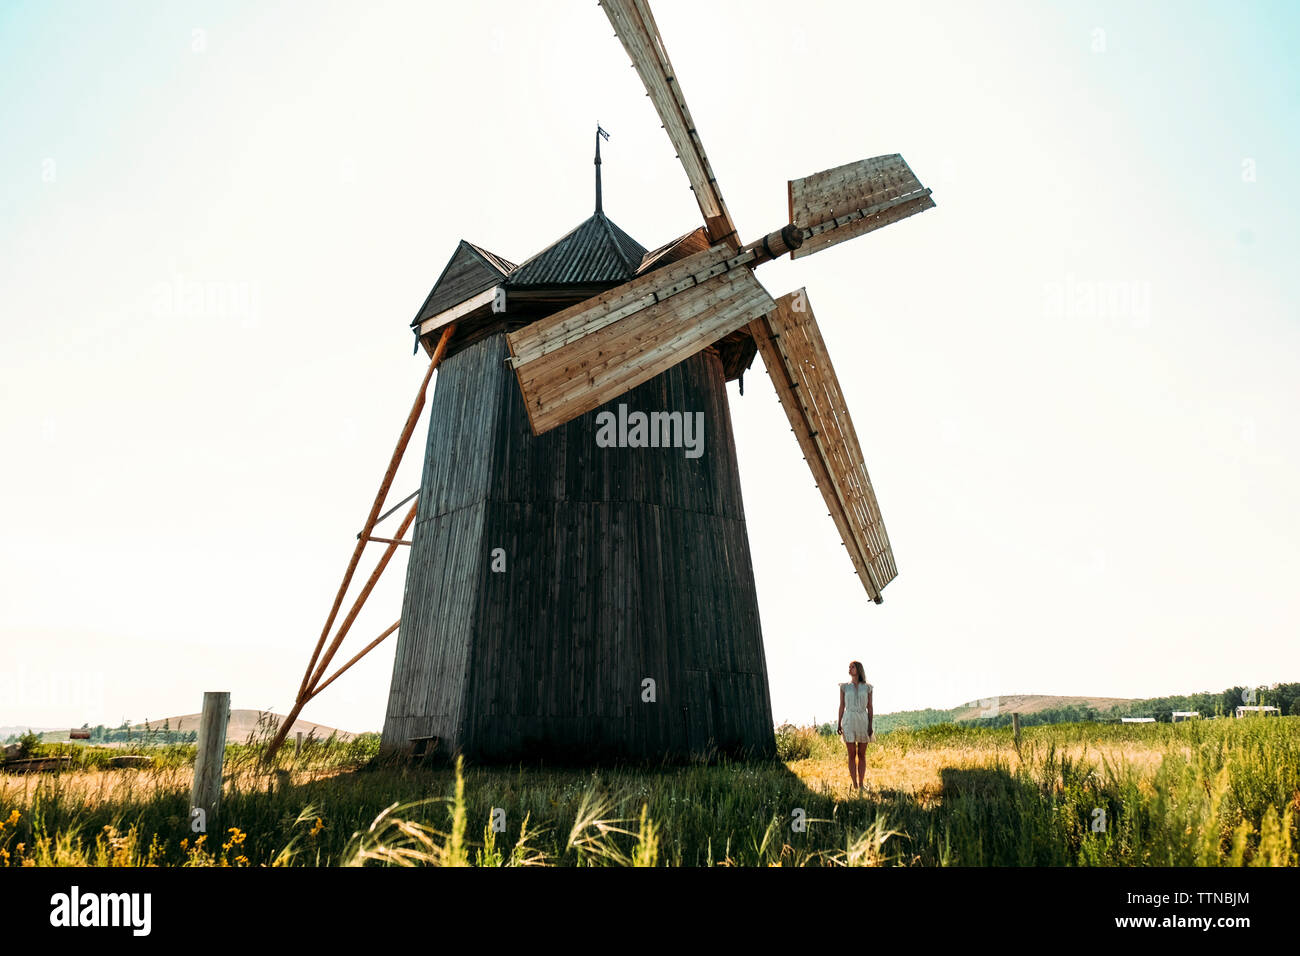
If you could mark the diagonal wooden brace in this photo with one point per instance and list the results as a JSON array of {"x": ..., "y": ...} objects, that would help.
[{"x": 308, "y": 688}]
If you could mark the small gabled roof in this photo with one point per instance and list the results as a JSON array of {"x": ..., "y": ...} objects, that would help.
[
  {"x": 504, "y": 266},
  {"x": 471, "y": 270},
  {"x": 597, "y": 251},
  {"x": 697, "y": 240}
]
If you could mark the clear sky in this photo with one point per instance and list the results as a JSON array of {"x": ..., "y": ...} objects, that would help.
[{"x": 1075, "y": 380}]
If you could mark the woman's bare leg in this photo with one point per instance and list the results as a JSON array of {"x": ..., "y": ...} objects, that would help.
[
  {"x": 862, "y": 764},
  {"x": 853, "y": 770}
]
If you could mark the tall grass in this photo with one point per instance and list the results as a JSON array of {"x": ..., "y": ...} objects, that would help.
[{"x": 1197, "y": 793}]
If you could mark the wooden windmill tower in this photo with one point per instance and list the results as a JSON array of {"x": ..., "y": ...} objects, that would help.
[{"x": 580, "y": 583}]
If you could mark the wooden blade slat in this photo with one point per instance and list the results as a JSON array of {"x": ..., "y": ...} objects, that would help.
[
  {"x": 801, "y": 369},
  {"x": 854, "y": 199},
  {"x": 555, "y": 331},
  {"x": 635, "y": 26},
  {"x": 817, "y": 196},
  {"x": 585, "y": 371},
  {"x": 580, "y": 354},
  {"x": 861, "y": 223}
]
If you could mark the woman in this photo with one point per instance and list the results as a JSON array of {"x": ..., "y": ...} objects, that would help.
[{"x": 857, "y": 731}]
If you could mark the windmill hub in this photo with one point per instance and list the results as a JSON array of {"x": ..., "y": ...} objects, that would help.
[{"x": 776, "y": 244}]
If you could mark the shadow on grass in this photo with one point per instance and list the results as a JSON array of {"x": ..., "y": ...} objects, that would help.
[
  {"x": 1230, "y": 800},
  {"x": 755, "y": 812},
  {"x": 739, "y": 812}
]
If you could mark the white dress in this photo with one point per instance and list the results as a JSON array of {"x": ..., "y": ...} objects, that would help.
[{"x": 855, "y": 721}]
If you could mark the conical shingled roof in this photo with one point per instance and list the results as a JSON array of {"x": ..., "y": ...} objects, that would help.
[{"x": 595, "y": 252}]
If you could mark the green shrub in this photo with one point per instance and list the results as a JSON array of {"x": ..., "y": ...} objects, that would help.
[{"x": 795, "y": 743}]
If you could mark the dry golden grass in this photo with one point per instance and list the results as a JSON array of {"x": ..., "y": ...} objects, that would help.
[
  {"x": 918, "y": 772},
  {"x": 127, "y": 784},
  {"x": 1201, "y": 794}
]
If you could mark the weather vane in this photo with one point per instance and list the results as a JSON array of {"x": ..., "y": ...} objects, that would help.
[{"x": 599, "y": 133}]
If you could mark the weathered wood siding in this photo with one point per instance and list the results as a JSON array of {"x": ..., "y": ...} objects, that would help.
[{"x": 621, "y": 564}]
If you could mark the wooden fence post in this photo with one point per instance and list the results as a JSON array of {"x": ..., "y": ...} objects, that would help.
[
  {"x": 1015, "y": 727},
  {"x": 206, "y": 793},
  {"x": 297, "y": 744}
]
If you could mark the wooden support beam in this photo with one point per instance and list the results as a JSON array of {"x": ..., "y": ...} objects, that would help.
[
  {"x": 360, "y": 654},
  {"x": 306, "y": 688},
  {"x": 384, "y": 485},
  {"x": 412, "y": 495},
  {"x": 360, "y": 601},
  {"x": 311, "y": 689}
]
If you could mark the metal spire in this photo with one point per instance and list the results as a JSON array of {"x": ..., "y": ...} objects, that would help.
[{"x": 599, "y": 133}]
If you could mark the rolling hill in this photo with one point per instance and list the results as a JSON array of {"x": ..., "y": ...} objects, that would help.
[
  {"x": 243, "y": 723},
  {"x": 1032, "y": 704}
]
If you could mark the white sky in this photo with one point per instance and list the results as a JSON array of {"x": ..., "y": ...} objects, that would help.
[{"x": 1083, "y": 498}]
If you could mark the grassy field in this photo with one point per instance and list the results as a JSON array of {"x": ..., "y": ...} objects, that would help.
[{"x": 1204, "y": 793}]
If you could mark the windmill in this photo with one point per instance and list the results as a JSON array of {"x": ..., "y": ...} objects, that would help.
[{"x": 573, "y": 597}]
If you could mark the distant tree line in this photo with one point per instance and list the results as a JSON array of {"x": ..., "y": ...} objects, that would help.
[
  {"x": 126, "y": 734},
  {"x": 1285, "y": 697},
  {"x": 908, "y": 720},
  {"x": 147, "y": 734}
]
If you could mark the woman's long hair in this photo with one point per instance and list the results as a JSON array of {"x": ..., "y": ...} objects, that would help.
[{"x": 857, "y": 665}]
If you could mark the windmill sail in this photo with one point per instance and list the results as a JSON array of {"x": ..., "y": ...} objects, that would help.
[
  {"x": 635, "y": 26},
  {"x": 854, "y": 199},
  {"x": 578, "y": 359},
  {"x": 800, "y": 368}
]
